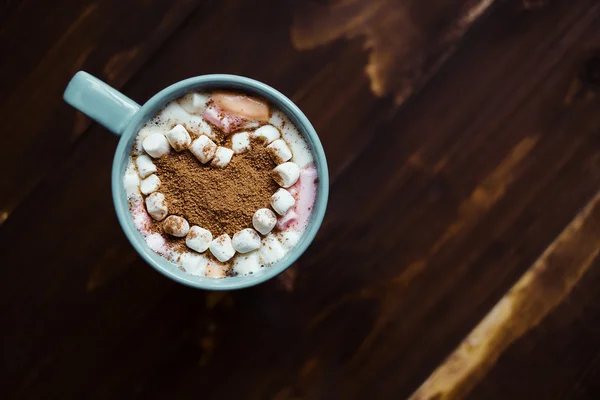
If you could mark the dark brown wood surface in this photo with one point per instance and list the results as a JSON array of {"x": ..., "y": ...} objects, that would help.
[{"x": 459, "y": 254}]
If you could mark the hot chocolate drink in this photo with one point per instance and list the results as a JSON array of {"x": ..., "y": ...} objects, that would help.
[{"x": 221, "y": 183}]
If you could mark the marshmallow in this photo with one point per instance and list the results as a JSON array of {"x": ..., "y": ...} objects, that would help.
[
  {"x": 246, "y": 264},
  {"x": 215, "y": 270},
  {"x": 290, "y": 218},
  {"x": 145, "y": 165},
  {"x": 267, "y": 132},
  {"x": 157, "y": 206},
  {"x": 198, "y": 239},
  {"x": 199, "y": 102},
  {"x": 204, "y": 129},
  {"x": 157, "y": 243},
  {"x": 194, "y": 103},
  {"x": 194, "y": 264},
  {"x": 179, "y": 138},
  {"x": 286, "y": 174},
  {"x": 203, "y": 148},
  {"x": 240, "y": 142},
  {"x": 246, "y": 240},
  {"x": 280, "y": 151},
  {"x": 222, "y": 157},
  {"x": 264, "y": 220},
  {"x": 271, "y": 250},
  {"x": 131, "y": 182},
  {"x": 289, "y": 238},
  {"x": 222, "y": 248},
  {"x": 282, "y": 201},
  {"x": 156, "y": 145},
  {"x": 150, "y": 184},
  {"x": 176, "y": 226}
]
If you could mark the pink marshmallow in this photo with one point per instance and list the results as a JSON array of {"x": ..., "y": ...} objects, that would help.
[{"x": 305, "y": 192}]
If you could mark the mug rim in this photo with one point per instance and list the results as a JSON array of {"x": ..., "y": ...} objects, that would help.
[{"x": 176, "y": 90}]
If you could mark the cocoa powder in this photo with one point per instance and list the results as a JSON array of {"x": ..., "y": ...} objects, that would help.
[{"x": 222, "y": 200}]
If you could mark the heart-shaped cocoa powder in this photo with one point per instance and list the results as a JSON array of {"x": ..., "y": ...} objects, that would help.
[{"x": 222, "y": 200}]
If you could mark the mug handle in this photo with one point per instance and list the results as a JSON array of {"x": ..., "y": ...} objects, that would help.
[{"x": 100, "y": 102}]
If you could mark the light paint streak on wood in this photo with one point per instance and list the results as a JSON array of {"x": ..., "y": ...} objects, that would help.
[
  {"x": 544, "y": 286},
  {"x": 476, "y": 11},
  {"x": 399, "y": 59},
  {"x": 482, "y": 198}
]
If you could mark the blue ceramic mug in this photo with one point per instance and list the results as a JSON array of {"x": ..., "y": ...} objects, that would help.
[{"x": 125, "y": 118}]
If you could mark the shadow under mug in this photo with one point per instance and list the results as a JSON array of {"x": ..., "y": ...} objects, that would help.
[{"x": 125, "y": 118}]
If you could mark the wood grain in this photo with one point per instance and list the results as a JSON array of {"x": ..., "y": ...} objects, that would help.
[
  {"x": 564, "y": 346},
  {"x": 110, "y": 39},
  {"x": 543, "y": 287},
  {"x": 407, "y": 40},
  {"x": 438, "y": 208}
]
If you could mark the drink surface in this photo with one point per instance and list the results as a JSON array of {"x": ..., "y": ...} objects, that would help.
[{"x": 221, "y": 184}]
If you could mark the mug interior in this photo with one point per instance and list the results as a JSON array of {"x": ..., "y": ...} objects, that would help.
[{"x": 149, "y": 110}]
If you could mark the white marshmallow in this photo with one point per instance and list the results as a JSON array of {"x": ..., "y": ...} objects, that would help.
[
  {"x": 198, "y": 239},
  {"x": 271, "y": 250},
  {"x": 156, "y": 145},
  {"x": 157, "y": 206},
  {"x": 282, "y": 201},
  {"x": 286, "y": 174},
  {"x": 176, "y": 226},
  {"x": 179, "y": 138},
  {"x": 145, "y": 165},
  {"x": 199, "y": 102},
  {"x": 215, "y": 269},
  {"x": 240, "y": 142},
  {"x": 194, "y": 103},
  {"x": 246, "y": 240},
  {"x": 146, "y": 131},
  {"x": 246, "y": 264},
  {"x": 204, "y": 129},
  {"x": 289, "y": 238},
  {"x": 157, "y": 243},
  {"x": 222, "y": 248},
  {"x": 267, "y": 132},
  {"x": 222, "y": 157},
  {"x": 280, "y": 151},
  {"x": 131, "y": 182},
  {"x": 150, "y": 184},
  {"x": 203, "y": 148},
  {"x": 194, "y": 264},
  {"x": 290, "y": 218},
  {"x": 251, "y": 125},
  {"x": 264, "y": 220}
]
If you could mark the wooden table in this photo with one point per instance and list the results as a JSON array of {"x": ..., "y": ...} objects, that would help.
[{"x": 459, "y": 254}]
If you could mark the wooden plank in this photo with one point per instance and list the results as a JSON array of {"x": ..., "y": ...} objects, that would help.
[
  {"x": 408, "y": 40},
  {"x": 73, "y": 278},
  {"x": 443, "y": 269},
  {"x": 81, "y": 29},
  {"x": 564, "y": 347},
  {"x": 546, "y": 285},
  {"x": 110, "y": 39},
  {"x": 470, "y": 201}
]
